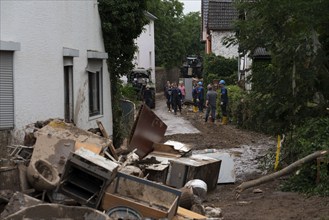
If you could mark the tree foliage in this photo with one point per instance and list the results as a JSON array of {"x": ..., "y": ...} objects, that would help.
[
  {"x": 295, "y": 35},
  {"x": 190, "y": 28},
  {"x": 218, "y": 67},
  {"x": 122, "y": 22},
  {"x": 312, "y": 136},
  {"x": 176, "y": 35},
  {"x": 289, "y": 93}
]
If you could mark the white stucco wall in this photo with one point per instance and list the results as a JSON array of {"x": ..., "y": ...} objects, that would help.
[
  {"x": 145, "y": 56},
  {"x": 217, "y": 46},
  {"x": 43, "y": 28},
  {"x": 245, "y": 64}
]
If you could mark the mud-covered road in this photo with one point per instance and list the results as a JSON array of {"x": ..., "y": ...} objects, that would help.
[{"x": 247, "y": 148}]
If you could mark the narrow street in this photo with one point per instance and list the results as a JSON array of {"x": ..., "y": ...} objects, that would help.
[{"x": 175, "y": 123}]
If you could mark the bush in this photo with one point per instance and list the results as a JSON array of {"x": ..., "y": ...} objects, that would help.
[
  {"x": 235, "y": 104},
  {"x": 128, "y": 92},
  {"x": 218, "y": 67},
  {"x": 306, "y": 139}
]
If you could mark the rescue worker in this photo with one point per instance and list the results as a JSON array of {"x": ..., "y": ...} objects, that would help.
[
  {"x": 223, "y": 101},
  {"x": 195, "y": 97},
  {"x": 147, "y": 97},
  {"x": 211, "y": 99},
  {"x": 200, "y": 96}
]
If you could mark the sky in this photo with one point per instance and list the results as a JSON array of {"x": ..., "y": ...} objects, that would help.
[{"x": 191, "y": 5}]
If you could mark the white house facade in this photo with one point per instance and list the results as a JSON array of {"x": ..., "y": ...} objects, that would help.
[
  {"x": 52, "y": 65},
  {"x": 218, "y": 47},
  {"x": 145, "y": 55}
]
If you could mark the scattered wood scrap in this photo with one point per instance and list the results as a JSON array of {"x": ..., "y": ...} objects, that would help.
[{"x": 105, "y": 134}]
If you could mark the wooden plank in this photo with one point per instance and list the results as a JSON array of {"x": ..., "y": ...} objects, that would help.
[
  {"x": 105, "y": 134},
  {"x": 101, "y": 127},
  {"x": 187, "y": 214},
  {"x": 92, "y": 147}
]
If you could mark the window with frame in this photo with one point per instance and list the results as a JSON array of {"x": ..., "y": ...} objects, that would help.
[{"x": 95, "y": 92}]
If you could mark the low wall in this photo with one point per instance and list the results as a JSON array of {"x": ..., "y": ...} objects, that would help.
[{"x": 162, "y": 76}]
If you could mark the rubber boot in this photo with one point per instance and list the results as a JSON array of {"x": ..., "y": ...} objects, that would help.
[
  {"x": 224, "y": 120},
  {"x": 195, "y": 109}
]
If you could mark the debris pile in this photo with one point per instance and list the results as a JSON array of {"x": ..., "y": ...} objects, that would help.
[{"x": 67, "y": 172}]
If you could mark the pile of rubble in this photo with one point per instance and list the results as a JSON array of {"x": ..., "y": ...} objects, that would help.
[{"x": 67, "y": 172}]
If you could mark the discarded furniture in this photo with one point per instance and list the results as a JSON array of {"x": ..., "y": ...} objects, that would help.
[
  {"x": 155, "y": 167},
  {"x": 157, "y": 172},
  {"x": 195, "y": 167},
  {"x": 148, "y": 129},
  {"x": 56, "y": 211},
  {"x": 147, "y": 198},
  {"x": 227, "y": 168},
  {"x": 58, "y": 139},
  {"x": 86, "y": 176}
]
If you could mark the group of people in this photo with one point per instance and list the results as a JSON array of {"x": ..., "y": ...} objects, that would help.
[{"x": 175, "y": 96}]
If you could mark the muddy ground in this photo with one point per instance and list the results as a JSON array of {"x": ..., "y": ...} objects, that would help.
[{"x": 271, "y": 203}]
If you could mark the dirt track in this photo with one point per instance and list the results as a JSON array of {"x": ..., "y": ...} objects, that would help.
[{"x": 271, "y": 203}]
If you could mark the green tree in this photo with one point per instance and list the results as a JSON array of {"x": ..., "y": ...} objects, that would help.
[
  {"x": 218, "y": 67},
  {"x": 176, "y": 35},
  {"x": 122, "y": 22},
  {"x": 295, "y": 35},
  {"x": 168, "y": 44},
  {"x": 288, "y": 91},
  {"x": 191, "y": 30}
]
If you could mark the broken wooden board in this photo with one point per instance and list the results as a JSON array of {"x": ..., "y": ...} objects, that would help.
[
  {"x": 92, "y": 147},
  {"x": 105, "y": 134},
  {"x": 187, "y": 214},
  {"x": 148, "y": 129},
  {"x": 168, "y": 150}
]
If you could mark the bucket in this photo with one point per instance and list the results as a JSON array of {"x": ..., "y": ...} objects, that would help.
[{"x": 199, "y": 188}]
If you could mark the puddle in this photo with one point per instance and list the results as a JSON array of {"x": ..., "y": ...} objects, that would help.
[{"x": 246, "y": 158}]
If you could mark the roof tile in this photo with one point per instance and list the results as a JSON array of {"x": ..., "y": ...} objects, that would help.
[{"x": 221, "y": 15}]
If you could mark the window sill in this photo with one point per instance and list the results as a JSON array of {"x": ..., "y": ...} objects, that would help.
[{"x": 91, "y": 118}]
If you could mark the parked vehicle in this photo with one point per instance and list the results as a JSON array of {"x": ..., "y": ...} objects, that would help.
[
  {"x": 192, "y": 67},
  {"x": 140, "y": 79}
]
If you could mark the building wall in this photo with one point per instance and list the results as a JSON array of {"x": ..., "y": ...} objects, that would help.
[
  {"x": 43, "y": 28},
  {"x": 217, "y": 46},
  {"x": 245, "y": 64},
  {"x": 145, "y": 56}
]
